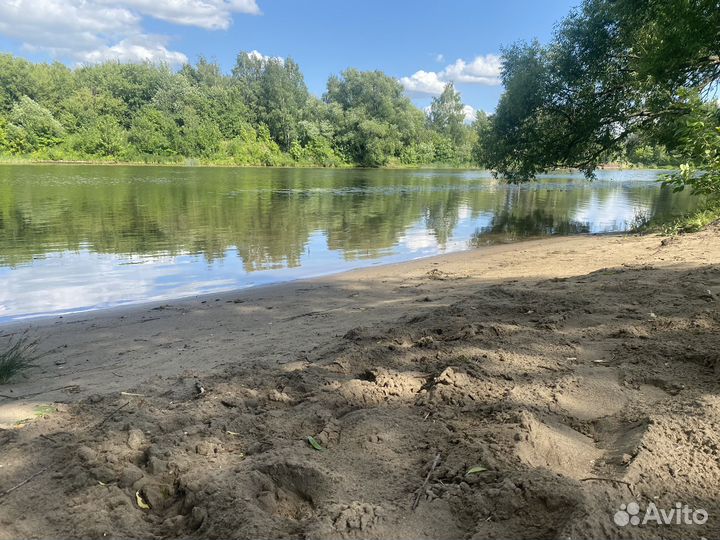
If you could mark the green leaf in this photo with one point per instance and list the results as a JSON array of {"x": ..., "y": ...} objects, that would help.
[
  {"x": 476, "y": 469},
  {"x": 316, "y": 445}
]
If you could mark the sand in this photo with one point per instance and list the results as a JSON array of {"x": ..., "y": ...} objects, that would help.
[{"x": 578, "y": 373}]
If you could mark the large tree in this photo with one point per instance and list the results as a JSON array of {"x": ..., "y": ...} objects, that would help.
[
  {"x": 447, "y": 114},
  {"x": 376, "y": 120},
  {"x": 275, "y": 90},
  {"x": 614, "y": 68}
]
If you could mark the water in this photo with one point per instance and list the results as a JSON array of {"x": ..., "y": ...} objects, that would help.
[{"x": 81, "y": 237}]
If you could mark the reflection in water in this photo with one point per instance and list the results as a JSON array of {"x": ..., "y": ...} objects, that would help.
[{"x": 79, "y": 237}]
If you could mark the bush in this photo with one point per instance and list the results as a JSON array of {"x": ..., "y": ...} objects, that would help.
[{"x": 32, "y": 127}]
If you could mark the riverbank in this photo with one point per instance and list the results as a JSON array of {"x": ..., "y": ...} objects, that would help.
[
  {"x": 580, "y": 373},
  {"x": 198, "y": 162}
]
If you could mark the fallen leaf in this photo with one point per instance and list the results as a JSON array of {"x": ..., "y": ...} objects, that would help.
[
  {"x": 232, "y": 433},
  {"x": 475, "y": 470},
  {"x": 140, "y": 502},
  {"x": 314, "y": 443}
]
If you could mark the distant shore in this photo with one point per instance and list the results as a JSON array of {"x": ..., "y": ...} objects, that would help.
[{"x": 199, "y": 163}]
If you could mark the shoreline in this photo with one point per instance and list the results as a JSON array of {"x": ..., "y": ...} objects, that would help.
[
  {"x": 76, "y": 344},
  {"x": 363, "y": 272},
  {"x": 399, "y": 167},
  {"x": 30, "y": 319},
  {"x": 200, "y": 164}
]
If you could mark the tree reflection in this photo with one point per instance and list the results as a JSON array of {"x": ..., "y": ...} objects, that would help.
[{"x": 269, "y": 215}]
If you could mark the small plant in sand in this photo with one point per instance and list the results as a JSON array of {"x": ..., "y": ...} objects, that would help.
[
  {"x": 639, "y": 221},
  {"x": 17, "y": 356}
]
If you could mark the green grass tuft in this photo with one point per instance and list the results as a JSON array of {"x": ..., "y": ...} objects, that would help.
[
  {"x": 18, "y": 356},
  {"x": 690, "y": 222}
]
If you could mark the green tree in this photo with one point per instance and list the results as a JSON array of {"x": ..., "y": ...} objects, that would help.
[
  {"x": 483, "y": 130},
  {"x": 134, "y": 84},
  {"x": 15, "y": 81},
  {"x": 262, "y": 113},
  {"x": 153, "y": 133},
  {"x": 447, "y": 115},
  {"x": 104, "y": 137},
  {"x": 199, "y": 137},
  {"x": 82, "y": 108},
  {"x": 375, "y": 119},
  {"x": 614, "y": 68},
  {"x": 3, "y": 134},
  {"x": 275, "y": 89},
  {"x": 697, "y": 142},
  {"x": 32, "y": 127}
]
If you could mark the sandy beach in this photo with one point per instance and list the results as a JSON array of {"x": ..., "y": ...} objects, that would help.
[{"x": 578, "y": 373}]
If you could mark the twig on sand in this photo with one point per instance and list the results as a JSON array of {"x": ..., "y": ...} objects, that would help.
[
  {"x": 109, "y": 416},
  {"x": 67, "y": 387},
  {"x": 611, "y": 480},
  {"x": 21, "y": 484},
  {"x": 427, "y": 479},
  {"x": 310, "y": 314}
]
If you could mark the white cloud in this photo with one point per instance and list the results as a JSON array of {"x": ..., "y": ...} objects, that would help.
[
  {"x": 468, "y": 110},
  {"x": 423, "y": 82},
  {"x": 469, "y": 113},
  {"x": 440, "y": 57},
  {"x": 484, "y": 70},
  {"x": 257, "y": 55},
  {"x": 209, "y": 14},
  {"x": 145, "y": 49},
  {"x": 96, "y": 30}
]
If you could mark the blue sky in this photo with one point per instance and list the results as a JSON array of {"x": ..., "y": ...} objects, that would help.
[{"x": 422, "y": 43}]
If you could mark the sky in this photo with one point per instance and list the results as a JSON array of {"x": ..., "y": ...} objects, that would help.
[{"x": 422, "y": 43}]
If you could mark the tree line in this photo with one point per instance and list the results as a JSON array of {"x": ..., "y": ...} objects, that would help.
[
  {"x": 259, "y": 114},
  {"x": 622, "y": 80}
]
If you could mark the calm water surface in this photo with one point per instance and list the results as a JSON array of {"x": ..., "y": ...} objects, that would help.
[{"x": 81, "y": 237}]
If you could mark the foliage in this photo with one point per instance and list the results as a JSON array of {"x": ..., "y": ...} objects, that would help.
[
  {"x": 447, "y": 115},
  {"x": 254, "y": 147},
  {"x": 694, "y": 221},
  {"x": 104, "y": 137},
  {"x": 613, "y": 69},
  {"x": 276, "y": 90},
  {"x": 697, "y": 140},
  {"x": 483, "y": 131},
  {"x": 152, "y": 132},
  {"x": 260, "y": 114},
  {"x": 32, "y": 127}
]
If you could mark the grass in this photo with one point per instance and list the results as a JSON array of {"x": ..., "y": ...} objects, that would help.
[
  {"x": 18, "y": 356},
  {"x": 689, "y": 222},
  {"x": 40, "y": 411}
]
